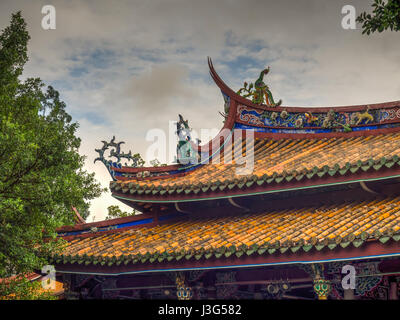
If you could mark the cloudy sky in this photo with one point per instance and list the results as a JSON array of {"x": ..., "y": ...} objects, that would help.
[{"x": 124, "y": 67}]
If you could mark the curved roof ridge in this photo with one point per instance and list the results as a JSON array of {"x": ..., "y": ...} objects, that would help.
[
  {"x": 232, "y": 94},
  {"x": 280, "y": 122}
]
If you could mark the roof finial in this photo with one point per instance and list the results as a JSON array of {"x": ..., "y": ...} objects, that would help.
[{"x": 259, "y": 91}]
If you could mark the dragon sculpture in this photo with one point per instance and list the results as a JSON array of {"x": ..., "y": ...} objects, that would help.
[
  {"x": 185, "y": 152},
  {"x": 364, "y": 116},
  {"x": 259, "y": 91},
  {"x": 115, "y": 152}
]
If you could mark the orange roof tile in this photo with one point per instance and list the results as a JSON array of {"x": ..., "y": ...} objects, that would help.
[
  {"x": 335, "y": 224},
  {"x": 281, "y": 158}
]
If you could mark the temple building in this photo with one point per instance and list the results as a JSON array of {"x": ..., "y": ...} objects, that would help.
[{"x": 284, "y": 203}]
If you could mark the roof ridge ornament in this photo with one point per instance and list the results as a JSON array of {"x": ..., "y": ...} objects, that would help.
[
  {"x": 184, "y": 150},
  {"x": 259, "y": 91},
  {"x": 115, "y": 152}
]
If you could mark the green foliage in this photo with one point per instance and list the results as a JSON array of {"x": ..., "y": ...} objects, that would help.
[
  {"x": 116, "y": 212},
  {"x": 41, "y": 172},
  {"x": 20, "y": 288},
  {"x": 385, "y": 15}
]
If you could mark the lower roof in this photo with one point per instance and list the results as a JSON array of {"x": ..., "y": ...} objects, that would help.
[{"x": 280, "y": 231}]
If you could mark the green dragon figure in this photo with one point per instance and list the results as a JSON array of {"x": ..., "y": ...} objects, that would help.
[
  {"x": 259, "y": 91},
  {"x": 185, "y": 152}
]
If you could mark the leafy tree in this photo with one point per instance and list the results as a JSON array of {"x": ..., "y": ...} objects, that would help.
[
  {"x": 116, "y": 212},
  {"x": 41, "y": 171},
  {"x": 385, "y": 15},
  {"x": 20, "y": 288}
]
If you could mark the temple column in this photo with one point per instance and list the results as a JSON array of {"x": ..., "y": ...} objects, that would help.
[
  {"x": 156, "y": 212},
  {"x": 211, "y": 293},
  {"x": 348, "y": 294},
  {"x": 69, "y": 284},
  {"x": 109, "y": 288},
  {"x": 393, "y": 289}
]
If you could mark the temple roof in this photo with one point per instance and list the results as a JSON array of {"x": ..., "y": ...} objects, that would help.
[
  {"x": 276, "y": 163},
  {"x": 294, "y": 147},
  {"x": 333, "y": 225},
  {"x": 296, "y": 190}
]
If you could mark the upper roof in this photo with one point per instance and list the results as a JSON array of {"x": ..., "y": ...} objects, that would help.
[
  {"x": 294, "y": 147},
  {"x": 276, "y": 163}
]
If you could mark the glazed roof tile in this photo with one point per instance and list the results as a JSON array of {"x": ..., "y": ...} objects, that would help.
[
  {"x": 277, "y": 161},
  {"x": 330, "y": 225}
]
